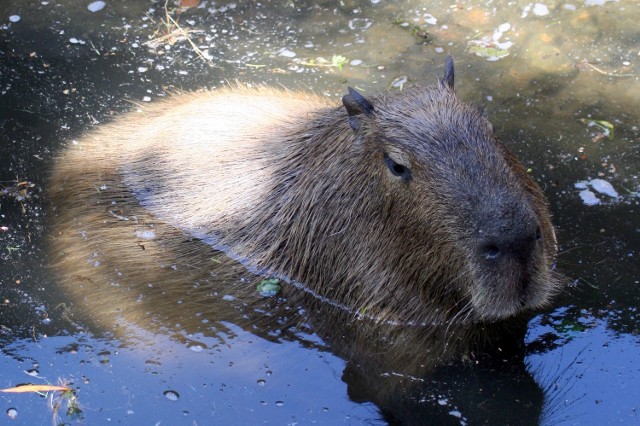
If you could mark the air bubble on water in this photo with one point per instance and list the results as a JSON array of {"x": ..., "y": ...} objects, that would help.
[
  {"x": 540, "y": 9},
  {"x": 14, "y": 18},
  {"x": 279, "y": 403},
  {"x": 12, "y": 413},
  {"x": 261, "y": 382},
  {"x": 360, "y": 23},
  {"x": 171, "y": 395},
  {"x": 96, "y": 6}
]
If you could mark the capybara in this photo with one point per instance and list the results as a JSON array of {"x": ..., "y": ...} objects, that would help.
[{"x": 401, "y": 207}]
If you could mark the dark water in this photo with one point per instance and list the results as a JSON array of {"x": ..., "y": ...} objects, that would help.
[{"x": 65, "y": 69}]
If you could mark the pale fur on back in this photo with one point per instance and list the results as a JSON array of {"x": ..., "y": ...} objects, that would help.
[{"x": 280, "y": 181}]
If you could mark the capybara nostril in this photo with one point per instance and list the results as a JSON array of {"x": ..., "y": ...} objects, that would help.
[{"x": 520, "y": 247}]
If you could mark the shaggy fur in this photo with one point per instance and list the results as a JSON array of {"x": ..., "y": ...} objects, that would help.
[{"x": 294, "y": 186}]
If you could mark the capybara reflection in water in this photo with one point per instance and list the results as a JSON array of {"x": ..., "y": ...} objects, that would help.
[{"x": 401, "y": 207}]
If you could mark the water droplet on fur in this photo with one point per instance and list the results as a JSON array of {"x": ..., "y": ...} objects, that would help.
[{"x": 145, "y": 235}]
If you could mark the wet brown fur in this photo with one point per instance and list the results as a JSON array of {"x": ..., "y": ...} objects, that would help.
[{"x": 281, "y": 182}]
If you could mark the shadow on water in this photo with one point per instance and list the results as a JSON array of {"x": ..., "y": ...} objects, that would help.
[{"x": 288, "y": 358}]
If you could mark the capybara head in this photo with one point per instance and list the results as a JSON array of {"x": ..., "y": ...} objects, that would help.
[
  {"x": 400, "y": 207},
  {"x": 468, "y": 230}
]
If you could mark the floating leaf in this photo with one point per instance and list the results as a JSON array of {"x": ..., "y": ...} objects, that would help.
[
  {"x": 338, "y": 61},
  {"x": 418, "y": 31},
  {"x": 269, "y": 287},
  {"x": 489, "y": 52},
  {"x": 399, "y": 82},
  {"x": 605, "y": 126},
  {"x": 36, "y": 388}
]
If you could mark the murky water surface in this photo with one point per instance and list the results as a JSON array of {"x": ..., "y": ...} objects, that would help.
[{"x": 560, "y": 80}]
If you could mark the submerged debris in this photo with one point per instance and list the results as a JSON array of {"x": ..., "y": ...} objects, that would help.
[
  {"x": 492, "y": 48},
  {"x": 20, "y": 190},
  {"x": 603, "y": 125}
]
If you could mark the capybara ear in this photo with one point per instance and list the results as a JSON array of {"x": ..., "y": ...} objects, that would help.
[
  {"x": 356, "y": 105},
  {"x": 447, "y": 80}
]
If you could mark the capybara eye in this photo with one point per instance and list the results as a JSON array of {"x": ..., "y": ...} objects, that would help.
[
  {"x": 491, "y": 252},
  {"x": 397, "y": 169}
]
